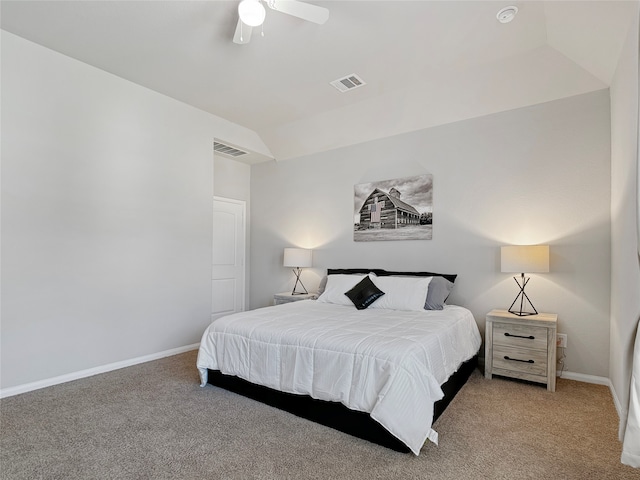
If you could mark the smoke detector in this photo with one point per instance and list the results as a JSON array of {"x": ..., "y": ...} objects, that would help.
[{"x": 507, "y": 14}]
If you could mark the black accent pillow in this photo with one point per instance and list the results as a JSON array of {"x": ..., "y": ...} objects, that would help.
[{"x": 364, "y": 293}]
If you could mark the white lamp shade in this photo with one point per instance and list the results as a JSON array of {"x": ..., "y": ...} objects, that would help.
[
  {"x": 297, "y": 257},
  {"x": 251, "y": 12},
  {"x": 524, "y": 258}
]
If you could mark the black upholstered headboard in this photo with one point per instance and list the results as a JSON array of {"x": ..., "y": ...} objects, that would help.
[{"x": 382, "y": 273}]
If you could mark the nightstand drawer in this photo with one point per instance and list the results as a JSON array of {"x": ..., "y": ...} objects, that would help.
[
  {"x": 525, "y": 336},
  {"x": 523, "y": 360}
]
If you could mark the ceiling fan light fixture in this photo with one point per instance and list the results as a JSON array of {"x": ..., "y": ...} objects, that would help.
[{"x": 251, "y": 12}]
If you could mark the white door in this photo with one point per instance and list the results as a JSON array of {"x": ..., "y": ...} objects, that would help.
[{"x": 227, "y": 277}]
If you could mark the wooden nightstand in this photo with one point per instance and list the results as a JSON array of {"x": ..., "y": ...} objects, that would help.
[
  {"x": 521, "y": 347},
  {"x": 280, "y": 298}
]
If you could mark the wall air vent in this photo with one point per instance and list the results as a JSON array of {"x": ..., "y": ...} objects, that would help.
[
  {"x": 227, "y": 150},
  {"x": 348, "y": 83}
]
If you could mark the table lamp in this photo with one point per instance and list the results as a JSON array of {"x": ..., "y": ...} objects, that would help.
[
  {"x": 524, "y": 259},
  {"x": 298, "y": 258}
]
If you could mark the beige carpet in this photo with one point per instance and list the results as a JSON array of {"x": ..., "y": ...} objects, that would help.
[{"x": 153, "y": 421}]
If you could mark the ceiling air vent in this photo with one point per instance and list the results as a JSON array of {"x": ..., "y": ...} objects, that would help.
[
  {"x": 227, "y": 150},
  {"x": 348, "y": 83}
]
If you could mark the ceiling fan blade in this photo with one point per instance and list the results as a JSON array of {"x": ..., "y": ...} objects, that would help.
[
  {"x": 305, "y": 11},
  {"x": 243, "y": 33}
]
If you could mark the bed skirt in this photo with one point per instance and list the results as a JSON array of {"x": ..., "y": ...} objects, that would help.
[{"x": 335, "y": 414}]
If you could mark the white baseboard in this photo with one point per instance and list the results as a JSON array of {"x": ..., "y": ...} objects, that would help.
[
  {"x": 583, "y": 377},
  {"x": 616, "y": 401},
  {"x": 28, "y": 387}
]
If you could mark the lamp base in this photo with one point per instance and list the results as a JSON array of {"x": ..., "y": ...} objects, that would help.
[
  {"x": 297, "y": 271},
  {"x": 522, "y": 314},
  {"x": 522, "y": 296}
]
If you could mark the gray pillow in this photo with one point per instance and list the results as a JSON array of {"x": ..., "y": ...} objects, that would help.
[
  {"x": 439, "y": 289},
  {"x": 322, "y": 286}
]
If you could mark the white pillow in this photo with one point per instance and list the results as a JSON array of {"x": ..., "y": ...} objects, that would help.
[
  {"x": 401, "y": 293},
  {"x": 337, "y": 286}
]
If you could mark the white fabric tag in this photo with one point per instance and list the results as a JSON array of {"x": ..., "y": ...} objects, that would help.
[{"x": 433, "y": 436}]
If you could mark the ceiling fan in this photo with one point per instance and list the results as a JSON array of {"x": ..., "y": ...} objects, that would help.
[{"x": 252, "y": 13}]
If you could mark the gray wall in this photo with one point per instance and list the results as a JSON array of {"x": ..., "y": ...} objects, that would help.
[
  {"x": 232, "y": 179},
  {"x": 625, "y": 269},
  {"x": 106, "y": 217},
  {"x": 536, "y": 175}
]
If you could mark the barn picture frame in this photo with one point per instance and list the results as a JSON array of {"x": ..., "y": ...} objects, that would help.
[{"x": 396, "y": 209}]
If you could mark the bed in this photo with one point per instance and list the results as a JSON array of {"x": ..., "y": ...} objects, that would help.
[{"x": 377, "y": 368}]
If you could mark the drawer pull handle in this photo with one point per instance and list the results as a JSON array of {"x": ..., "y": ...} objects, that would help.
[
  {"x": 518, "y": 360},
  {"x": 530, "y": 337}
]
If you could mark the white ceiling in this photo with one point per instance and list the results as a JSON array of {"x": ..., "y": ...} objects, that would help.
[{"x": 425, "y": 62}]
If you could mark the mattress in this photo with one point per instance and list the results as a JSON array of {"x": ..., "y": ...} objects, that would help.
[{"x": 388, "y": 363}]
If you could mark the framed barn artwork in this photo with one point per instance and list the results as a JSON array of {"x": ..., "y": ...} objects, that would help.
[{"x": 399, "y": 209}]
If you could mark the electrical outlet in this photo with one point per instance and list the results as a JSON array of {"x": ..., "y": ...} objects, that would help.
[{"x": 561, "y": 340}]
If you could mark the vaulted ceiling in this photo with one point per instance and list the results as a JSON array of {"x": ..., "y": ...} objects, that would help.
[{"x": 425, "y": 63}]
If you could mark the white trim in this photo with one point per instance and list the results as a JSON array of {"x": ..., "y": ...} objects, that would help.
[
  {"x": 230, "y": 200},
  {"x": 583, "y": 377},
  {"x": 28, "y": 387},
  {"x": 616, "y": 400},
  {"x": 622, "y": 412}
]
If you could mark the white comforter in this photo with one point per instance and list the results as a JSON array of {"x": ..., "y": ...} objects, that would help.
[{"x": 388, "y": 363}]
